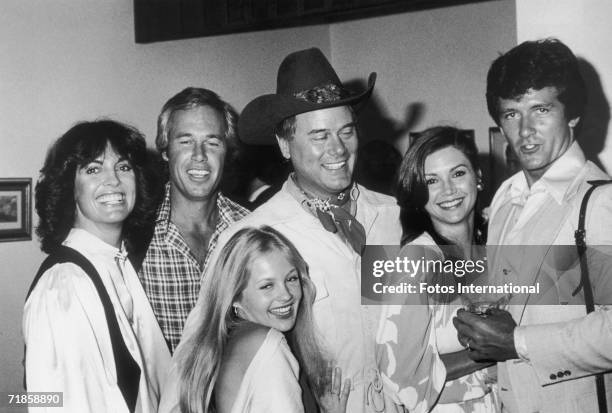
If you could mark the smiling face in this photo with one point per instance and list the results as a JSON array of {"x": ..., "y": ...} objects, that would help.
[
  {"x": 536, "y": 129},
  {"x": 196, "y": 152},
  {"x": 273, "y": 292},
  {"x": 323, "y": 150},
  {"x": 105, "y": 193},
  {"x": 451, "y": 183}
]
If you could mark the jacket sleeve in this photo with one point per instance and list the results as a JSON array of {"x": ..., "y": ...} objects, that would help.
[{"x": 571, "y": 349}]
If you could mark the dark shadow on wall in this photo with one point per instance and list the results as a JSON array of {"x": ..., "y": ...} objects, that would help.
[
  {"x": 259, "y": 167},
  {"x": 378, "y": 158},
  {"x": 593, "y": 129},
  {"x": 377, "y": 166},
  {"x": 374, "y": 124},
  {"x": 489, "y": 187}
]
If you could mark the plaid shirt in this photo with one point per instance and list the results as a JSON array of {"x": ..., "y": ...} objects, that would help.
[{"x": 171, "y": 274}]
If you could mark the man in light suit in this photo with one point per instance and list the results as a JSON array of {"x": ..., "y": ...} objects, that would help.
[{"x": 536, "y": 94}]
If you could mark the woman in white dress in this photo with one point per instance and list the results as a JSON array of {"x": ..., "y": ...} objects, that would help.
[
  {"x": 439, "y": 181},
  {"x": 254, "y": 334},
  {"x": 89, "y": 330}
]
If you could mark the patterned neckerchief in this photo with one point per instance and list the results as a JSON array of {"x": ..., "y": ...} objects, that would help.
[{"x": 336, "y": 214}]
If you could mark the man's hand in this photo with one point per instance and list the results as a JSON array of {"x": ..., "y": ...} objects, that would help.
[
  {"x": 335, "y": 395},
  {"x": 489, "y": 337}
]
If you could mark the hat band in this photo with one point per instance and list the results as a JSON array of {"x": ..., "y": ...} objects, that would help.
[{"x": 322, "y": 94}]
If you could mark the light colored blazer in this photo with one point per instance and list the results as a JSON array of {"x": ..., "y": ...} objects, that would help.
[{"x": 565, "y": 347}]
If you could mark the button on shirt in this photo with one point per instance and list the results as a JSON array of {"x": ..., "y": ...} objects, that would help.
[{"x": 171, "y": 274}]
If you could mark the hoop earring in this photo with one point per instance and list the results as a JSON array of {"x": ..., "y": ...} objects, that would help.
[
  {"x": 354, "y": 192},
  {"x": 235, "y": 311}
]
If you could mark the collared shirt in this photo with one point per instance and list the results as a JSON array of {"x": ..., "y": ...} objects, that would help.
[
  {"x": 171, "y": 273},
  {"x": 519, "y": 213},
  {"x": 66, "y": 332},
  {"x": 545, "y": 214},
  {"x": 516, "y": 204}
]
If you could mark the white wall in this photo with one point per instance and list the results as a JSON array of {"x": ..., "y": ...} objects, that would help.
[
  {"x": 585, "y": 27},
  {"x": 437, "y": 58},
  {"x": 71, "y": 60}
]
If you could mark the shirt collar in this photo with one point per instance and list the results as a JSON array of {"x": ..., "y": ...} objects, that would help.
[
  {"x": 300, "y": 196},
  {"x": 163, "y": 212},
  {"x": 227, "y": 211},
  {"x": 78, "y": 238},
  {"x": 258, "y": 191},
  {"x": 557, "y": 180}
]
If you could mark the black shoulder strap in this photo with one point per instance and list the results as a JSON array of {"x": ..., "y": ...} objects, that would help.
[
  {"x": 580, "y": 238},
  {"x": 128, "y": 371},
  {"x": 585, "y": 281}
]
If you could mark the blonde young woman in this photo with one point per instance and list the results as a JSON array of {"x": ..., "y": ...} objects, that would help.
[{"x": 255, "y": 333}]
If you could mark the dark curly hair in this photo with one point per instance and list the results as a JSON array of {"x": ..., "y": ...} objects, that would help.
[
  {"x": 412, "y": 191},
  {"x": 536, "y": 65},
  {"x": 83, "y": 143}
]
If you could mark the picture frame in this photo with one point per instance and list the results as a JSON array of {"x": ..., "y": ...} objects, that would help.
[
  {"x": 15, "y": 209},
  {"x": 162, "y": 20}
]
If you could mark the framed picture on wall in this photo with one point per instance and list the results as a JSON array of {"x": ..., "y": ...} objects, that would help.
[
  {"x": 161, "y": 20},
  {"x": 15, "y": 209}
]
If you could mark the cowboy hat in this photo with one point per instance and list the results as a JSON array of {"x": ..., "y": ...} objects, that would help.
[{"x": 306, "y": 81}]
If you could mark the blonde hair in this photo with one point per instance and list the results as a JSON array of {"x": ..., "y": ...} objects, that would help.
[
  {"x": 201, "y": 355},
  {"x": 194, "y": 97}
]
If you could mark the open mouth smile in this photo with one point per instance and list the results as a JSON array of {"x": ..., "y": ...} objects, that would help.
[
  {"x": 198, "y": 173},
  {"x": 451, "y": 204},
  {"x": 283, "y": 312},
  {"x": 529, "y": 148},
  {"x": 334, "y": 166},
  {"x": 114, "y": 198}
]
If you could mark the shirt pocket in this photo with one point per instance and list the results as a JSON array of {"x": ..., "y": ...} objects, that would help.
[
  {"x": 324, "y": 310},
  {"x": 317, "y": 278}
]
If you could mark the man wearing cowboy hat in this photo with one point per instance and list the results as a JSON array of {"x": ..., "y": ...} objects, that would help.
[{"x": 329, "y": 218}]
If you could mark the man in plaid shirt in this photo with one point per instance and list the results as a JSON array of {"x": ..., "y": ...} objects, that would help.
[{"x": 196, "y": 132}]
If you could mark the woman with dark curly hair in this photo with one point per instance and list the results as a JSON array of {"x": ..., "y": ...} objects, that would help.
[{"x": 89, "y": 329}]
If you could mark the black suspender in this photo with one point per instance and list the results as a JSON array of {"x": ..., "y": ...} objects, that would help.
[
  {"x": 585, "y": 281},
  {"x": 128, "y": 371}
]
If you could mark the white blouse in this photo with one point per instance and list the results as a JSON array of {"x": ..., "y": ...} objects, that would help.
[
  {"x": 270, "y": 383},
  {"x": 67, "y": 338}
]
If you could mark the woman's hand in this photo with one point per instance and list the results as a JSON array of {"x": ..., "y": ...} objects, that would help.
[{"x": 335, "y": 395}]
